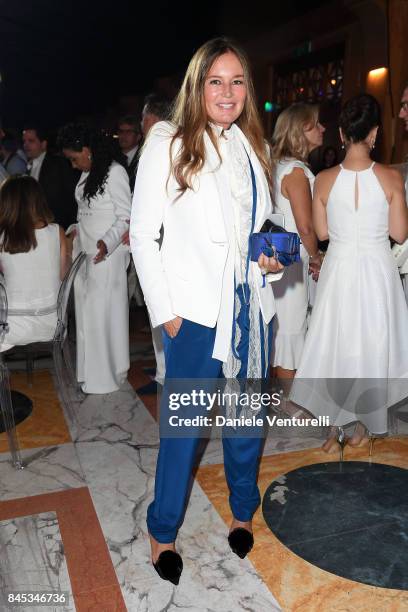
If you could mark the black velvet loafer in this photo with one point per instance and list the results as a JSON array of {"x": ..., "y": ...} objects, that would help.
[
  {"x": 241, "y": 541},
  {"x": 169, "y": 566}
]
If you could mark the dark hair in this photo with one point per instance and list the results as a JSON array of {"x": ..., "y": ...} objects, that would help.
[
  {"x": 131, "y": 120},
  {"x": 359, "y": 116},
  {"x": 42, "y": 133},
  {"x": 155, "y": 104},
  {"x": 76, "y": 136},
  {"x": 22, "y": 205},
  {"x": 10, "y": 144},
  {"x": 330, "y": 149}
]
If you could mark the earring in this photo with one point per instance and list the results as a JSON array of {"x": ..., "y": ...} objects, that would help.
[
  {"x": 373, "y": 145},
  {"x": 342, "y": 145},
  {"x": 89, "y": 157}
]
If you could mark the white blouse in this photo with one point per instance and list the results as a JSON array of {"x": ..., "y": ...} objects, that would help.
[
  {"x": 237, "y": 168},
  {"x": 239, "y": 174}
]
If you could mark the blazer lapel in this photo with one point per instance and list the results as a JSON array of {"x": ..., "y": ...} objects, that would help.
[{"x": 42, "y": 178}]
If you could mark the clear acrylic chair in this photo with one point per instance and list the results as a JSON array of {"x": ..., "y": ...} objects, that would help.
[
  {"x": 6, "y": 406},
  {"x": 64, "y": 368},
  {"x": 58, "y": 347}
]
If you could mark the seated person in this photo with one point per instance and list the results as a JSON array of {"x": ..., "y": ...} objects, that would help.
[{"x": 33, "y": 260}]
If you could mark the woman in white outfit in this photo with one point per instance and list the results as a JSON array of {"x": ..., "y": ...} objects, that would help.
[
  {"x": 101, "y": 297},
  {"x": 205, "y": 177},
  {"x": 297, "y": 133},
  {"x": 359, "y": 325},
  {"x": 33, "y": 260}
]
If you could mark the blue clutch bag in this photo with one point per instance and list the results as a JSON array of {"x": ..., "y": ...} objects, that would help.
[{"x": 275, "y": 242}]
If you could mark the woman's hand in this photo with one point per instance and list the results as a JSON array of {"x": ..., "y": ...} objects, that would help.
[
  {"x": 125, "y": 237},
  {"x": 172, "y": 327},
  {"x": 102, "y": 251},
  {"x": 315, "y": 263},
  {"x": 269, "y": 264},
  {"x": 314, "y": 273}
]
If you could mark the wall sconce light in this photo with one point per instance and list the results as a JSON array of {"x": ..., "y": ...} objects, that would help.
[
  {"x": 376, "y": 83},
  {"x": 377, "y": 73}
]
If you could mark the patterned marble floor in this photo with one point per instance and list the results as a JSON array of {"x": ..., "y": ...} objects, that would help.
[
  {"x": 113, "y": 454},
  {"x": 74, "y": 518}
]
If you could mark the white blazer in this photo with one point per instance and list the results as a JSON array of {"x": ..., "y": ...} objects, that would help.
[{"x": 186, "y": 276}]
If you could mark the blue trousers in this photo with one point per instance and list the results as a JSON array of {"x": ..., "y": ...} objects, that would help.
[{"x": 189, "y": 355}]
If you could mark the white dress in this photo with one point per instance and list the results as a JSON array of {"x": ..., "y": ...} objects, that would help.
[
  {"x": 32, "y": 283},
  {"x": 292, "y": 291},
  {"x": 101, "y": 297},
  {"x": 359, "y": 324}
]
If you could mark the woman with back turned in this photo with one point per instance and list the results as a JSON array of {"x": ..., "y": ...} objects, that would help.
[
  {"x": 359, "y": 325},
  {"x": 297, "y": 133},
  {"x": 34, "y": 258},
  {"x": 206, "y": 177}
]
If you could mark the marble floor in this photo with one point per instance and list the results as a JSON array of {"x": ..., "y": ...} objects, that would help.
[{"x": 74, "y": 518}]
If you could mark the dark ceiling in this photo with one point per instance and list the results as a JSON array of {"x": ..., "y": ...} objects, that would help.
[{"x": 60, "y": 58}]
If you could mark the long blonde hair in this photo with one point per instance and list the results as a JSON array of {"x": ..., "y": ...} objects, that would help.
[
  {"x": 191, "y": 120},
  {"x": 289, "y": 138}
]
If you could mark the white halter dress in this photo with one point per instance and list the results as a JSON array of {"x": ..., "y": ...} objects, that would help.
[{"x": 359, "y": 325}]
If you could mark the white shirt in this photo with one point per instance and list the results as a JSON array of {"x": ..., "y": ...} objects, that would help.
[
  {"x": 130, "y": 155},
  {"x": 34, "y": 167},
  {"x": 239, "y": 175}
]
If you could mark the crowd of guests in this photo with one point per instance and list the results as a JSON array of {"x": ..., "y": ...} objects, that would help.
[
  {"x": 54, "y": 206},
  {"x": 203, "y": 180}
]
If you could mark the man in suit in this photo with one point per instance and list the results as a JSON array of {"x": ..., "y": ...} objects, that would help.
[
  {"x": 54, "y": 174},
  {"x": 11, "y": 156},
  {"x": 129, "y": 137},
  {"x": 155, "y": 108}
]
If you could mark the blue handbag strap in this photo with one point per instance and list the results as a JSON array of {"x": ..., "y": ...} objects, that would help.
[{"x": 254, "y": 203}]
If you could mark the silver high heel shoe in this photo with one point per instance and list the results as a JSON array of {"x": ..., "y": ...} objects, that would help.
[
  {"x": 361, "y": 434},
  {"x": 338, "y": 439},
  {"x": 342, "y": 440},
  {"x": 371, "y": 439}
]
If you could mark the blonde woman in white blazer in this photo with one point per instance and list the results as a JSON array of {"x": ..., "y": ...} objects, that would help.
[{"x": 202, "y": 176}]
